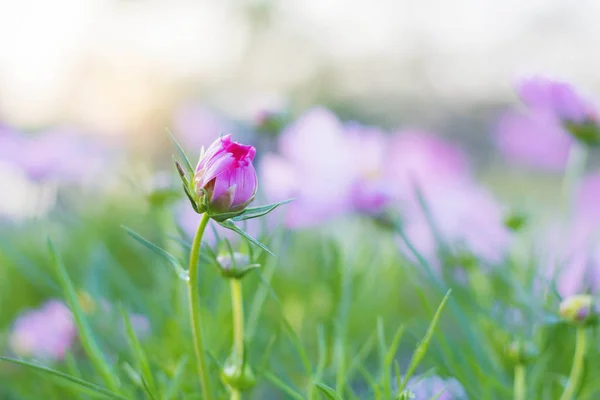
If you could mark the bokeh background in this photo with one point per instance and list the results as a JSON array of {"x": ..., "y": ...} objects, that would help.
[
  {"x": 89, "y": 89},
  {"x": 123, "y": 69}
]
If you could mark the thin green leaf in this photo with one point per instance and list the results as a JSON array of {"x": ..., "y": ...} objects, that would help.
[
  {"x": 177, "y": 380},
  {"x": 389, "y": 358},
  {"x": 283, "y": 386},
  {"x": 85, "y": 333},
  {"x": 255, "y": 212},
  {"x": 138, "y": 353},
  {"x": 179, "y": 270},
  {"x": 437, "y": 396},
  {"x": 186, "y": 162},
  {"x": 83, "y": 385},
  {"x": 328, "y": 392},
  {"x": 421, "y": 349},
  {"x": 231, "y": 226},
  {"x": 290, "y": 330}
]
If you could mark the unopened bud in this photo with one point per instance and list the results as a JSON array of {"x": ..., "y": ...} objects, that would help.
[
  {"x": 238, "y": 375},
  {"x": 515, "y": 221},
  {"x": 521, "y": 351},
  {"x": 236, "y": 265},
  {"x": 180, "y": 169},
  {"x": 579, "y": 309}
]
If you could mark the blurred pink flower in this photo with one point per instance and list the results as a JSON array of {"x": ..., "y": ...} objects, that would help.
[
  {"x": 199, "y": 126},
  {"x": 314, "y": 166},
  {"x": 425, "y": 388},
  {"x": 226, "y": 174},
  {"x": 422, "y": 158},
  {"x": 466, "y": 216},
  {"x": 534, "y": 139},
  {"x": 331, "y": 168},
  {"x": 557, "y": 98},
  {"x": 60, "y": 155},
  {"x": 47, "y": 332},
  {"x": 539, "y": 136},
  {"x": 572, "y": 254},
  {"x": 374, "y": 186}
]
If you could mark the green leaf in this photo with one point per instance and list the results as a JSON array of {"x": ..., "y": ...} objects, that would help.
[
  {"x": 177, "y": 380},
  {"x": 290, "y": 391},
  {"x": 437, "y": 396},
  {"x": 421, "y": 349},
  {"x": 139, "y": 355},
  {"x": 85, "y": 333},
  {"x": 231, "y": 226},
  {"x": 389, "y": 358},
  {"x": 255, "y": 212},
  {"x": 83, "y": 385},
  {"x": 186, "y": 162},
  {"x": 179, "y": 270},
  {"x": 328, "y": 392}
]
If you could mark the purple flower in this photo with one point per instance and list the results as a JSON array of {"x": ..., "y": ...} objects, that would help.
[
  {"x": 556, "y": 98},
  {"x": 374, "y": 186},
  {"x": 314, "y": 166},
  {"x": 556, "y": 114},
  {"x": 424, "y": 159},
  {"x": 466, "y": 216},
  {"x": 47, "y": 332},
  {"x": 199, "y": 126},
  {"x": 55, "y": 155},
  {"x": 534, "y": 139},
  {"x": 225, "y": 175},
  {"x": 572, "y": 253},
  {"x": 425, "y": 388}
]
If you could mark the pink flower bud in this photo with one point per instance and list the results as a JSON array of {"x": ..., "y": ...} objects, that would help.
[{"x": 225, "y": 178}]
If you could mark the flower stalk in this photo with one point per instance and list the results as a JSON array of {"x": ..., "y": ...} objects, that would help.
[
  {"x": 238, "y": 327},
  {"x": 194, "y": 305},
  {"x": 520, "y": 387},
  {"x": 577, "y": 368}
]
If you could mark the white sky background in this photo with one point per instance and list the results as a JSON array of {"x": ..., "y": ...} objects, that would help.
[{"x": 121, "y": 66}]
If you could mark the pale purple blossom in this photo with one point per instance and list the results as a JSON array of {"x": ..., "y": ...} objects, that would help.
[
  {"x": 534, "y": 139},
  {"x": 425, "y": 388},
  {"x": 314, "y": 166},
  {"x": 571, "y": 253},
  {"x": 47, "y": 332},
  {"x": 556, "y": 98},
  {"x": 540, "y": 136},
  {"x": 422, "y": 158},
  {"x": 61, "y": 155},
  {"x": 466, "y": 217}
]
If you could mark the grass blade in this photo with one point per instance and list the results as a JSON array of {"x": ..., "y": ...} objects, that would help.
[
  {"x": 138, "y": 353},
  {"x": 85, "y": 334},
  {"x": 421, "y": 349},
  {"x": 184, "y": 158},
  {"x": 82, "y": 384},
  {"x": 179, "y": 270},
  {"x": 327, "y": 391},
  {"x": 283, "y": 386}
]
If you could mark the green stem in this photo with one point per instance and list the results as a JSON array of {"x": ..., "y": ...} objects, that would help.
[
  {"x": 577, "y": 368},
  {"x": 520, "y": 385},
  {"x": 238, "y": 328},
  {"x": 574, "y": 171},
  {"x": 194, "y": 304}
]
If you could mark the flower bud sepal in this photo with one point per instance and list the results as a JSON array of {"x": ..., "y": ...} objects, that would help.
[
  {"x": 521, "y": 352},
  {"x": 235, "y": 265},
  {"x": 238, "y": 374}
]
